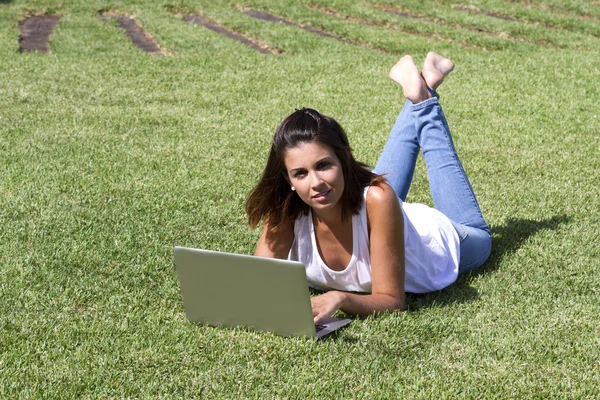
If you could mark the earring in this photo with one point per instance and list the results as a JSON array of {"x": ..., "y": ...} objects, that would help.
[{"x": 293, "y": 189}]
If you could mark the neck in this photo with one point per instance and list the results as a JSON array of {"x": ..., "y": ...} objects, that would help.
[{"x": 332, "y": 218}]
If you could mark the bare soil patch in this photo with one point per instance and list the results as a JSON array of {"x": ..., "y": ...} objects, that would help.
[
  {"x": 265, "y": 16},
  {"x": 135, "y": 33},
  {"x": 255, "y": 44},
  {"x": 584, "y": 17},
  {"x": 524, "y": 21},
  {"x": 488, "y": 13},
  {"x": 404, "y": 14},
  {"x": 501, "y": 35},
  {"x": 35, "y": 32},
  {"x": 334, "y": 13}
]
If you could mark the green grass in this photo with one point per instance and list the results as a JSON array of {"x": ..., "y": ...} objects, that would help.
[{"x": 109, "y": 157}]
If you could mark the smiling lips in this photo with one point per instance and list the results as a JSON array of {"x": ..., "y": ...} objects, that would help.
[{"x": 322, "y": 195}]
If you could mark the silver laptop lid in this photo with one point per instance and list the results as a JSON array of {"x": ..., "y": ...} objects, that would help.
[{"x": 238, "y": 290}]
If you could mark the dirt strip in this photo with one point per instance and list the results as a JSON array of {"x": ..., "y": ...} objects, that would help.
[
  {"x": 501, "y": 35},
  {"x": 548, "y": 9},
  {"x": 256, "y": 45},
  {"x": 520, "y": 21},
  {"x": 265, "y": 16},
  {"x": 35, "y": 33},
  {"x": 135, "y": 33},
  {"x": 407, "y": 15},
  {"x": 333, "y": 13},
  {"x": 583, "y": 17},
  {"x": 488, "y": 13}
]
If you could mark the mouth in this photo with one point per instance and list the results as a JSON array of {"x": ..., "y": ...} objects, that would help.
[{"x": 321, "y": 195}]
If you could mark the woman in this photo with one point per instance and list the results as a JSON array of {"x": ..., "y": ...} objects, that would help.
[{"x": 350, "y": 226}]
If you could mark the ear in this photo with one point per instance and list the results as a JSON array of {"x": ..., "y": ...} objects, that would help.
[{"x": 286, "y": 177}]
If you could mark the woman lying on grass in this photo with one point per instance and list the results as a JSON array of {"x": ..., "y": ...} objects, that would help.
[{"x": 349, "y": 226}]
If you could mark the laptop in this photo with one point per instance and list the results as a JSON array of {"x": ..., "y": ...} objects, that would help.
[{"x": 225, "y": 289}]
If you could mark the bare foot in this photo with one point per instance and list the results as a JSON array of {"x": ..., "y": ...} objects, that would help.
[
  {"x": 406, "y": 74},
  {"x": 435, "y": 69}
]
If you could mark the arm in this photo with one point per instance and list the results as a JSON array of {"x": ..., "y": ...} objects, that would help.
[
  {"x": 275, "y": 244},
  {"x": 387, "y": 261}
]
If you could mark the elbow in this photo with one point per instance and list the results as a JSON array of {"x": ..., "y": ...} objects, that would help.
[
  {"x": 391, "y": 304},
  {"x": 399, "y": 305},
  {"x": 395, "y": 303}
]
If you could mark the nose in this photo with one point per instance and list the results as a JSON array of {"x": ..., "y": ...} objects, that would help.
[{"x": 315, "y": 179}]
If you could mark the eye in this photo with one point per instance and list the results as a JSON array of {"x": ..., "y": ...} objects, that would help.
[
  {"x": 299, "y": 173},
  {"x": 323, "y": 165}
]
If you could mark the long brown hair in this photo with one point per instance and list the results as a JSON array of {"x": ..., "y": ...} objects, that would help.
[{"x": 273, "y": 200}]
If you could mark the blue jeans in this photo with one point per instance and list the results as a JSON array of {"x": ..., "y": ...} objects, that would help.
[{"x": 424, "y": 126}]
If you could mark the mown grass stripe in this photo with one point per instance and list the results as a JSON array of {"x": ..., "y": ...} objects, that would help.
[
  {"x": 200, "y": 20},
  {"x": 35, "y": 32}
]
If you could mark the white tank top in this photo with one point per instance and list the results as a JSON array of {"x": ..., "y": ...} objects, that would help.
[{"x": 431, "y": 248}]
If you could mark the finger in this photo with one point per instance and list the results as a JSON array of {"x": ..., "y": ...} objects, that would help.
[
  {"x": 317, "y": 314},
  {"x": 322, "y": 314},
  {"x": 318, "y": 318}
]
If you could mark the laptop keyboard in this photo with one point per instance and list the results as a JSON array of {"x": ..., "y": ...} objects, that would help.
[{"x": 319, "y": 327}]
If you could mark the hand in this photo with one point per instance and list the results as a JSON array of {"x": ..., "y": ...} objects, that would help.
[{"x": 325, "y": 305}]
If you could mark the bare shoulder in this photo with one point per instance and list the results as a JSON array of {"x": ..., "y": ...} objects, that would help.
[
  {"x": 381, "y": 196},
  {"x": 383, "y": 206}
]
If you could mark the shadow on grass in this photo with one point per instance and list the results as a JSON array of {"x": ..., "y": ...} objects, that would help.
[
  {"x": 507, "y": 239},
  {"x": 5, "y": 1}
]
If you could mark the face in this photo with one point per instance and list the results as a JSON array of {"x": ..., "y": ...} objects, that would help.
[{"x": 316, "y": 173}]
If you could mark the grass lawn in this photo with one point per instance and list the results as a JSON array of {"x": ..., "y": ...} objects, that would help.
[{"x": 110, "y": 156}]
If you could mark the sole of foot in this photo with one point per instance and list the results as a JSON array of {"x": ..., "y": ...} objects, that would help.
[
  {"x": 435, "y": 69},
  {"x": 406, "y": 74}
]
